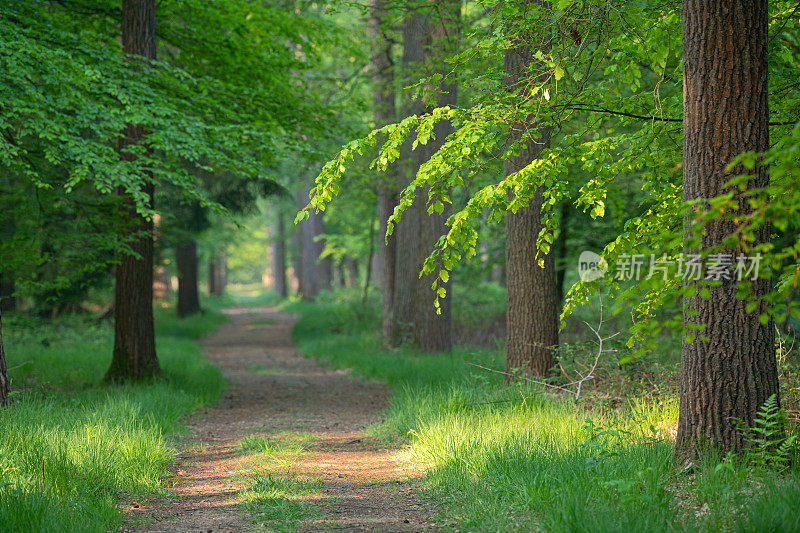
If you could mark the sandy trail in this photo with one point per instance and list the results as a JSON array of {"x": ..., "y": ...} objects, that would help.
[{"x": 275, "y": 392}]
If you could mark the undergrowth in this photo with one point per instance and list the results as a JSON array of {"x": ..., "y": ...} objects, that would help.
[
  {"x": 69, "y": 445},
  {"x": 510, "y": 458}
]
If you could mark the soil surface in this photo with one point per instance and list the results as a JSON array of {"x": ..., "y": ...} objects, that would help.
[{"x": 312, "y": 419}]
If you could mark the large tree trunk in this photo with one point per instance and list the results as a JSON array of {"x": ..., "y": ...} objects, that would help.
[
  {"x": 278, "y": 236},
  {"x": 5, "y": 387},
  {"x": 730, "y": 375},
  {"x": 186, "y": 261},
  {"x": 407, "y": 230},
  {"x": 433, "y": 327},
  {"x": 385, "y": 112},
  {"x": 533, "y": 302},
  {"x": 134, "y": 354}
]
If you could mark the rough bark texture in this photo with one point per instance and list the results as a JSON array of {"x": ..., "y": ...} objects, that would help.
[
  {"x": 385, "y": 112},
  {"x": 432, "y": 330},
  {"x": 533, "y": 301},
  {"x": 407, "y": 230},
  {"x": 134, "y": 354},
  {"x": 186, "y": 261},
  {"x": 5, "y": 386},
  {"x": 725, "y": 113},
  {"x": 278, "y": 235}
]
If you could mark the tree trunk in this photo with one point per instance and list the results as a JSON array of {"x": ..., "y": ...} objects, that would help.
[
  {"x": 134, "y": 354},
  {"x": 222, "y": 270},
  {"x": 5, "y": 387},
  {"x": 725, "y": 113},
  {"x": 186, "y": 261},
  {"x": 352, "y": 271},
  {"x": 384, "y": 112},
  {"x": 305, "y": 249},
  {"x": 278, "y": 244},
  {"x": 407, "y": 230},
  {"x": 533, "y": 302},
  {"x": 432, "y": 327},
  {"x": 323, "y": 265},
  {"x": 213, "y": 276},
  {"x": 561, "y": 250},
  {"x": 7, "y": 287}
]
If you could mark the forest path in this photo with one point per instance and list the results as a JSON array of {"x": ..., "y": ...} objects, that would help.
[{"x": 318, "y": 471}]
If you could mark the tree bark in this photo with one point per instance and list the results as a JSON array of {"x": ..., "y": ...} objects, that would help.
[
  {"x": 186, "y": 261},
  {"x": 134, "y": 354},
  {"x": 407, "y": 230},
  {"x": 725, "y": 113},
  {"x": 384, "y": 112},
  {"x": 432, "y": 329},
  {"x": 5, "y": 386},
  {"x": 533, "y": 301},
  {"x": 278, "y": 235}
]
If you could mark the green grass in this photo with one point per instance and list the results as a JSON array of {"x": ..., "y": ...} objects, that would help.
[
  {"x": 271, "y": 447},
  {"x": 505, "y": 458},
  {"x": 69, "y": 446},
  {"x": 275, "y": 501}
]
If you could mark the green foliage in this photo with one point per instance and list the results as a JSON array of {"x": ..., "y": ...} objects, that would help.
[
  {"x": 69, "y": 446},
  {"x": 766, "y": 444},
  {"x": 274, "y": 500}
]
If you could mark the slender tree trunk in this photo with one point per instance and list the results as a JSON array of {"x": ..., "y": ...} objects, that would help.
[
  {"x": 222, "y": 269},
  {"x": 730, "y": 375},
  {"x": 5, "y": 386},
  {"x": 186, "y": 261},
  {"x": 352, "y": 271},
  {"x": 278, "y": 244},
  {"x": 213, "y": 276},
  {"x": 134, "y": 354},
  {"x": 432, "y": 327},
  {"x": 323, "y": 265},
  {"x": 407, "y": 230},
  {"x": 385, "y": 112}
]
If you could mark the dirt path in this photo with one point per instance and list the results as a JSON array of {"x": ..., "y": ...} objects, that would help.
[{"x": 309, "y": 465}]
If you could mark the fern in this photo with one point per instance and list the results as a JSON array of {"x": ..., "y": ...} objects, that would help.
[{"x": 766, "y": 446}]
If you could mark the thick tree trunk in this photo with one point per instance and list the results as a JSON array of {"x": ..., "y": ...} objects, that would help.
[
  {"x": 407, "y": 230},
  {"x": 5, "y": 386},
  {"x": 278, "y": 235},
  {"x": 730, "y": 375},
  {"x": 533, "y": 301},
  {"x": 134, "y": 354},
  {"x": 432, "y": 329},
  {"x": 186, "y": 261},
  {"x": 385, "y": 112}
]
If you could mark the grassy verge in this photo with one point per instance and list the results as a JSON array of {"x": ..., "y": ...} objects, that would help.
[
  {"x": 518, "y": 458},
  {"x": 70, "y": 446}
]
